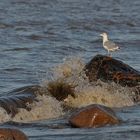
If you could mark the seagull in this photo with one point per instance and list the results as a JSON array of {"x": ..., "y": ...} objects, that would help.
[{"x": 109, "y": 45}]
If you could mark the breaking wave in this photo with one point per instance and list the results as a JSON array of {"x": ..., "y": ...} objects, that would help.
[
  {"x": 70, "y": 72},
  {"x": 110, "y": 94},
  {"x": 46, "y": 107}
]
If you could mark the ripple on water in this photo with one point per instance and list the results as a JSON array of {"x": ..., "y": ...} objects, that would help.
[{"x": 17, "y": 49}]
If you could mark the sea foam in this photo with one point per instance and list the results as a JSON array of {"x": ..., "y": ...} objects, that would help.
[
  {"x": 86, "y": 93},
  {"x": 109, "y": 94}
]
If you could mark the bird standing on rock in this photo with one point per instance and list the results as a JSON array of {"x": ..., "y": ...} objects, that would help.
[{"x": 109, "y": 45}]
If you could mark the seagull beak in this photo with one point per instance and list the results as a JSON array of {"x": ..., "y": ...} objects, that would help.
[{"x": 101, "y": 34}]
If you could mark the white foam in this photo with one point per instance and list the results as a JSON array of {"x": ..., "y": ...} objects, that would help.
[
  {"x": 4, "y": 117},
  {"x": 46, "y": 108},
  {"x": 70, "y": 71},
  {"x": 104, "y": 94},
  {"x": 112, "y": 94}
]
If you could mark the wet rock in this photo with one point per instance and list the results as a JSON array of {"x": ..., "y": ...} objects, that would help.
[
  {"x": 19, "y": 98},
  {"x": 12, "y": 134},
  {"x": 60, "y": 90},
  {"x": 109, "y": 69},
  {"x": 93, "y": 116}
]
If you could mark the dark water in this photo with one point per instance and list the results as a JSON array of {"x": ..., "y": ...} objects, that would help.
[{"x": 39, "y": 34}]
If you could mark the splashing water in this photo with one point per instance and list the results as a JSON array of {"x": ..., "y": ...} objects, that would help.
[
  {"x": 70, "y": 72},
  {"x": 45, "y": 108},
  {"x": 4, "y": 117},
  {"x": 110, "y": 94}
]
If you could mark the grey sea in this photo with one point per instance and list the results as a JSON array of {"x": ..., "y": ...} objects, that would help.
[{"x": 40, "y": 39}]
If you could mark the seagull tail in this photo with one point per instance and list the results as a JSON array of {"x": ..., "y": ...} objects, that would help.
[{"x": 118, "y": 48}]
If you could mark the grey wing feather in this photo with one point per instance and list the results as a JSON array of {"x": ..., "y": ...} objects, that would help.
[{"x": 110, "y": 45}]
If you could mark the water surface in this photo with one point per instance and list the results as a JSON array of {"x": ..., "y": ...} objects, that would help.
[{"x": 37, "y": 35}]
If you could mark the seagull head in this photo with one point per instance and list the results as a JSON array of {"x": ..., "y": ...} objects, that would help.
[
  {"x": 103, "y": 34},
  {"x": 105, "y": 37}
]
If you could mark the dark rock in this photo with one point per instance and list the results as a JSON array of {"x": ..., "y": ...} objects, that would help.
[
  {"x": 19, "y": 98},
  {"x": 12, "y": 134},
  {"x": 60, "y": 90},
  {"x": 93, "y": 116},
  {"x": 107, "y": 69}
]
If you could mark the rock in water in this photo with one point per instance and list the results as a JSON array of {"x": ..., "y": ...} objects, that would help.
[
  {"x": 93, "y": 116},
  {"x": 12, "y": 134},
  {"x": 19, "y": 98},
  {"x": 109, "y": 69}
]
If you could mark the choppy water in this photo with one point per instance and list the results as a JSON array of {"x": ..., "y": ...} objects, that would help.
[{"x": 37, "y": 35}]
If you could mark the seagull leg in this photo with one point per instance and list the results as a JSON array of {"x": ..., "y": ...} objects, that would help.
[{"x": 108, "y": 53}]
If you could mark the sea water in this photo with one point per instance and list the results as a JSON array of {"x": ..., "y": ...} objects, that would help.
[{"x": 47, "y": 40}]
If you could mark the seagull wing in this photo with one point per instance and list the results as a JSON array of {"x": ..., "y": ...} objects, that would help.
[{"x": 110, "y": 45}]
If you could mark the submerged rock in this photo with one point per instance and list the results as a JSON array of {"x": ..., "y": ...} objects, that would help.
[
  {"x": 93, "y": 116},
  {"x": 12, "y": 134},
  {"x": 107, "y": 69}
]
